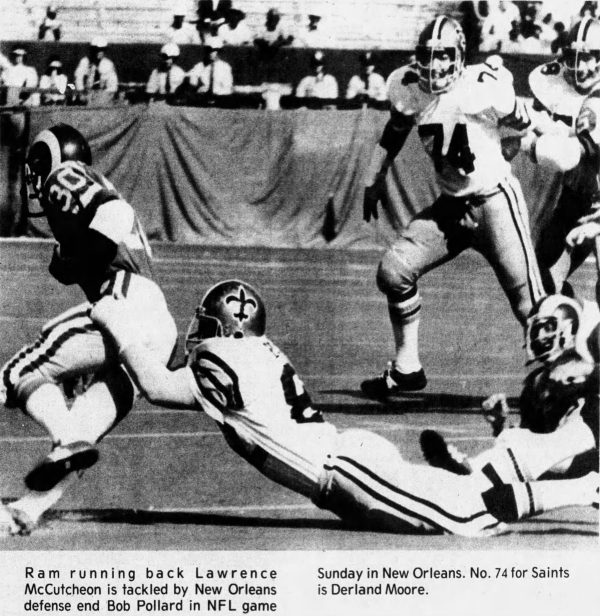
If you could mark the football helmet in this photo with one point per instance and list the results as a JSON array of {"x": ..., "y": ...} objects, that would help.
[
  {"x": 581, "y": 55},
  {"x": 229, "y": 308},
  {"x": 552, "y": 327},
  {"x": 440, "y": 55},
  {"x": 49, "y": 149}
]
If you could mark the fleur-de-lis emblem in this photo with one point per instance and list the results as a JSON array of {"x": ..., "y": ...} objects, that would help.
[{"x": 243, "y": 302}]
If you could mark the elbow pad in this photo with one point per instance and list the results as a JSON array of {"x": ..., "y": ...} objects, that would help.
[
  {"x": 559, "y": 153},
  {"x": 395, "y": 133}
]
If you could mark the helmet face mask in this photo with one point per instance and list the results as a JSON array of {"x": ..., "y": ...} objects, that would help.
[
  {"x": 552, "y": 329},
  {"x": 231, "y": 308},
  {"x": 581, "y": 56},
  {"x": 440, "y": 55}
]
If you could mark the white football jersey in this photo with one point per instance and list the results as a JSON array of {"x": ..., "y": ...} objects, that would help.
[
  {"x": 560, "y": 109},
  {"x": 249, "y": 387},
  {"x": 556, "y": 104},
  {"x": 460, "y": 128}
]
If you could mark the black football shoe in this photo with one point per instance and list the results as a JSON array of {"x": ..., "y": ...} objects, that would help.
[
  {"x": 61, "y": 461},
  {"x": 441, "y": 455},
  {"x": 393, "y": 383}
]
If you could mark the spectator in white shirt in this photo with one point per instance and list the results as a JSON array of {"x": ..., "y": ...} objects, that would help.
[
  {"x": 368, "y": 84},
  {"x": 181, "y": 32},
  {"x": 319, "y": 84},
  {"x": 212, "y": 75},
  {"x": 18, "y": 75},
  {"x": 235, "y": 30},
  {"x": 95, "y": 75},
  {"x": 54, "y": 79},
  {"x": 168, "y": 76}
]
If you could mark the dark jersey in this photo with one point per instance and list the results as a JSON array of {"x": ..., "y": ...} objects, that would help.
[{"x": 76, "y": 199}]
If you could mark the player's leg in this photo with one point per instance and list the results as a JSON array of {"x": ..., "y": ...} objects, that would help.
[
  {"x": 67, "y": 346},
  {"x": 369, "y": 484},
  {"x": 94, "y": 413},
  {"x": 521, "y": 500},
  {"x": 426, "y": 243},
  {"x": 504, "y": 239},
  {"x": 556, "y": 262}
]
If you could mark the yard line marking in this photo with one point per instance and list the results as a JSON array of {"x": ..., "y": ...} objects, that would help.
[
  {"x": 220, "y": 508},
  {"x": 23, "y": 439}
]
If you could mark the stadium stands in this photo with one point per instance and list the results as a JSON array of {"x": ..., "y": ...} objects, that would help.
[{"x": 352, "y": 24}]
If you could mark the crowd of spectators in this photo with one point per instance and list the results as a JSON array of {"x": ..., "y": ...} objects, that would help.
[
  {"x": 538, "y": 27},
  {"x": 494, "y": 26}
]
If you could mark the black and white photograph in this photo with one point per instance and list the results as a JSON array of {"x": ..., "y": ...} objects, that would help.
[{"x": 299, "y": 306}]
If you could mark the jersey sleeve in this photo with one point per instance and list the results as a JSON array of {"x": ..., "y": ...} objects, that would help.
[
  {"x": 214, "y": 382},
  {"x": 114, "y": 219}
]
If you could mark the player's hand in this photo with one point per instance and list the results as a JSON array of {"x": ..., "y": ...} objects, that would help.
[
  {"x": 496, "y": 410},
  {"x": 374, "y": 194},
  {"x": 583, "y": 233}
]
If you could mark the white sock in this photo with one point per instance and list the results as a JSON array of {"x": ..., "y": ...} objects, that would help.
[
  {"x": 34, "y": 504},
  {"x": 47, "y": 406},
  {"x": 406, "y": 338}
]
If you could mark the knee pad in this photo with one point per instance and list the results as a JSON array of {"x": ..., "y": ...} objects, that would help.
[{"x": 394, "y": 276}]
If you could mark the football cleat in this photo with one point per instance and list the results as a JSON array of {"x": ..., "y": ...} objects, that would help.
[
  {"x": 393, "y": 382},
  {"x": 61, "y": 461},
  {"x": 23, "y": 523},
  {"x": 8, "y": 525},
  {"x": 441, "y": 455}
]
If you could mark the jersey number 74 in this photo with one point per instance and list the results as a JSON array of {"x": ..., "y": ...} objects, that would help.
[{"x": 459, "y": 153}]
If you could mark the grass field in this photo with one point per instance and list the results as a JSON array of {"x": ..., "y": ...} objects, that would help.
[{"x": 166, "y": 479}]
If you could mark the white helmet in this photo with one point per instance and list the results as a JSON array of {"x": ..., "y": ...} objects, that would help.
[
  {"x": 440, "y": 55},
  {"x": 581, "y": 55}
]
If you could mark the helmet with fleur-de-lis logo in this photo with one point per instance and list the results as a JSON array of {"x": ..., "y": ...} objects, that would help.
[{"x": 229, "y": 308}]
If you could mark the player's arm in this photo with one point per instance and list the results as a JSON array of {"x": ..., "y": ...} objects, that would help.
[
  {"x": 155, "y": 381},
  {"x": 392, "y": 140},
  {"x": 565, "y": 153}
]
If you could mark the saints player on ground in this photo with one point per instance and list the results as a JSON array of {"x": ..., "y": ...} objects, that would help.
[
  {"x": 102, "y": 248},
  {"x": 236, "y": 375},
  {"x": 567, "y": 102},
  {"x": 459, "y": 112}
]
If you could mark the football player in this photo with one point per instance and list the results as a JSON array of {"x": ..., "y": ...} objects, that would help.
[
  {"x": 566, "y": 138},
  {"x": 242, "y": 380},
  {"x": 460, "y": 112},
  {"x": 102, "y": 248},
  {"x": 562, "y": 335}
]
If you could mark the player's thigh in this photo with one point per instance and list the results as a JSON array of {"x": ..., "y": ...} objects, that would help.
[
  {"x": 422, "y": 246},
  {"x": 68, "y": 345},
  {"x": 370, "y": 480},
  {"x": 152, "y": 323},
  {"x": 504, "y": 239}
]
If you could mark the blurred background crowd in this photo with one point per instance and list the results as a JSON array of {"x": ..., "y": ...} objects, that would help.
[{"x": 187, "y": 51}]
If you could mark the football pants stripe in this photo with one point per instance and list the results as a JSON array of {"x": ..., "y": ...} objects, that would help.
[
  {"x": 44, "y": 348},
  {"x": 515, "y": 205},
  {"x": 516, "y": 466},
  {"x": 402, "y": 492},
  {"x": 405, "y": 503}
]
